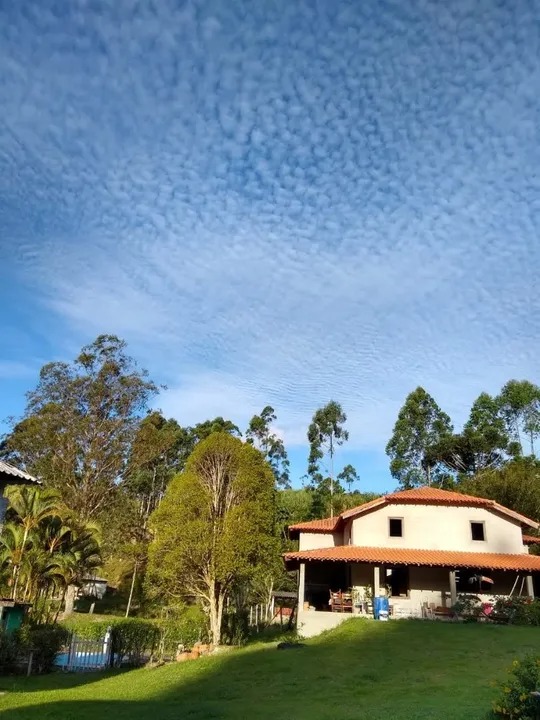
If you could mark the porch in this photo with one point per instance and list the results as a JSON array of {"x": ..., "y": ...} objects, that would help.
[{"x": 413, "y": 590}]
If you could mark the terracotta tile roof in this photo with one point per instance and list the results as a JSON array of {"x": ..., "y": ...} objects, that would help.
[
  {"x": 435, "y": 496},
  {"x": 531, "y": 540},
  {"x": 324, "y": 525},
  {"x": 405, "y": 556}
]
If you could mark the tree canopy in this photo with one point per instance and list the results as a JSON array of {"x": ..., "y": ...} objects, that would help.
[
  {"x": 421, "y": 426},
  {"x": 214, "y": 527},
  {"x": 261, "y": 435},
  {"x": 79, "y": 423}
]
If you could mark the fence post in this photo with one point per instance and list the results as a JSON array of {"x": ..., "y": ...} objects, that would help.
[{"x": 29, "y": 668}]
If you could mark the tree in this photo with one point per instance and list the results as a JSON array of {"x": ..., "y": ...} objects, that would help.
[
  {"x": 44, "y": 550},
  {"x": 325, "y": 434},
  {"x": 349, "y": 476},
  {"x": 519, "y": 403},
  {"x": 420, "y": 427},
  {"x": 79, "y": 423},
  {"x": 203, "y": 430},
  {"x": 159, "y": 450},
  {"x": 259, "y": 434},
  {"x": 516, "y": 485},
  {"x": 214, "y": 528}
]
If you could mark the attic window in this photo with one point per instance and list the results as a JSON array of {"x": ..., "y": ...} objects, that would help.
[
  {"x": 478, "y": 531},
  {"x": 395, "y": 526}
]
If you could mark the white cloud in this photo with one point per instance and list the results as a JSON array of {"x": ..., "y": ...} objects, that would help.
[{"x": 284, "y": 205}]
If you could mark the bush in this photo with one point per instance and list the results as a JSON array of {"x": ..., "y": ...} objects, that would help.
[
  {"x": 517, "y": 610},
  {"x": 235, "y": 627},
  {"x": 468, "y": 607},
  {"x": 44, "y": 642},
  {"x": 515, "y": 701},
  {"x": 131, "y": 637},
  {"x": 11, "y": 652},
  {"x": 181, "y": 626}
]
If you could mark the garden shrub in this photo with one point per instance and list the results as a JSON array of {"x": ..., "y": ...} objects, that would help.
[
  {"x": 517, "y": 610},
  {"x": 468, "y": 607},
  {"x": 184, "y": 625},
  {"x": 10, "y": 652},
  {"x": 235, "y": 627},
  {"x": 131, "y": 638},
  {"x": 44, "y": 642},
  {"x": 515, "y": 701}
]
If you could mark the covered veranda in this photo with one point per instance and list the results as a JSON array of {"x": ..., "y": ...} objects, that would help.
[{"x": 419, "y": 583}]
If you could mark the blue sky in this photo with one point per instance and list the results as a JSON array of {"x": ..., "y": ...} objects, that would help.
[{"x": 274, "y": 202}]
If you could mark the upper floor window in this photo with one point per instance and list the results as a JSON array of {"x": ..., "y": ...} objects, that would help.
[
  {"x": 395, "y": 527},
  {"x": 478, "y": 531}
]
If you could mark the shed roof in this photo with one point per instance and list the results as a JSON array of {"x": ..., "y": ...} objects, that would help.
[{"x": 10, "y": 474}]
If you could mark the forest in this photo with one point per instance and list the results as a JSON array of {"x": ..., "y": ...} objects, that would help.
[{"x": 174, "y": 514}]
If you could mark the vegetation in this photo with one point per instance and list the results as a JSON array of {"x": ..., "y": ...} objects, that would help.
[
  {"x": 261, "y": 435},
  {"x": 44, "y": 551},
  {"x": 214, "y": 527},
  {"x": 515, "y": 700},
  {"x": 421, "y": 426},
  {"x": 404, "y": 670}
]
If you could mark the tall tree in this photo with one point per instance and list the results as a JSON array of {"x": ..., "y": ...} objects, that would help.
[
  {"x": 214, "y": 527},
  {"x": 159, "y": 450},
  {"x": 520, "y": 407},
  {"x": 261, "y": 435},
  {"x": 79, "y": 423},
  {"x": 325, "y": 434},
  {"x": 204, "y": 429},
  {"x": 421, "y": 426},
  {"x": 349, "y": 476},
  {"x": 515, "y": 485}
]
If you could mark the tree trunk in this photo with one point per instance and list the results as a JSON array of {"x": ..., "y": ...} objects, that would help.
[
  {"x": 216, "y": 613},
  {"x": 69, "y": 600}
]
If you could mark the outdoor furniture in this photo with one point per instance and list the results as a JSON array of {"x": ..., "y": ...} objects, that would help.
[{"x": 341, "y": 602}]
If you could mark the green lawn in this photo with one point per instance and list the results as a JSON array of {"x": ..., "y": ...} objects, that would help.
[{"x": 403, "y": 670}]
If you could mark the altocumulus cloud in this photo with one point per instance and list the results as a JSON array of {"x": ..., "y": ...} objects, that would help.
[{"x": 280, "y": 202}]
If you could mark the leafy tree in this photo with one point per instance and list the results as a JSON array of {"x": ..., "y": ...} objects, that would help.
[
  {"x": 259, "y": 434},
  {"x": 79, "y": 424},
  {"x": 349, "y": 476},
  {"x": 420, "y": 427},
  {"x": 159, "y": 450},
  {"x": 203, "y": 430},
  {"x": 515, "y": 485},
  {"x": 519, "y": 402},
  {"x": 44, "y": 550},
  {"x": 325, "y": 434},
  {"x": 214, "y": 527}
]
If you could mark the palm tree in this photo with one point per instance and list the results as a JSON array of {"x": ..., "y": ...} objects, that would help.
[{"x": 31, "y": 506}]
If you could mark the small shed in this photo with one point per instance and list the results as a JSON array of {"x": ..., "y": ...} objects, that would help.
[{"x": 12, "y": 614}]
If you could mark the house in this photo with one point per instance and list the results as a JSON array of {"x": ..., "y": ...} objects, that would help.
[{"x": 421, "y": 547}]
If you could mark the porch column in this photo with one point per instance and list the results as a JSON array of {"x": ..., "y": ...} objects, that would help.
[
  {"x": 530, "y": 587},
  {"x": 376, "y": 581},
  {"x": 301, "y": 586},
  {"x": 453, "y": 588}
]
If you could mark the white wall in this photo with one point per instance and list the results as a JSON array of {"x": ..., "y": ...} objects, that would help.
[
  {"x": 315, "y": 541},
  {"x": 438, "y": 527}
]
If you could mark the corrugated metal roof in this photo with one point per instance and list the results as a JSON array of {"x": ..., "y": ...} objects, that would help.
[
  {"x": 405, "y": 556},
  {"x": 16, "y": 473}
]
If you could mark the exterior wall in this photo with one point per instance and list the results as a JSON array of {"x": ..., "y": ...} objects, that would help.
[
  {"x": 316, "y": 541},
  {"x": 438, "y": 527}
]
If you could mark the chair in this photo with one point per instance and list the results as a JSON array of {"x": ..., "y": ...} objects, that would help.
[{"x": 341, "y": 602}]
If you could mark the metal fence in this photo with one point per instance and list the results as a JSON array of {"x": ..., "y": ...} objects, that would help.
[{"x": 84, "y": 654}]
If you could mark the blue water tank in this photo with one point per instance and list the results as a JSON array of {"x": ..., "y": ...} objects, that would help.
[{"x": 380, "y": 604}]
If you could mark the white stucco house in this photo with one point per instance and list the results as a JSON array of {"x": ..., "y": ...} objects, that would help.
[{"x": 421, "y": 547}]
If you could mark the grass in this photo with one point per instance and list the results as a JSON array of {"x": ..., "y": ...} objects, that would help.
[{"x": 403, "y": 670}]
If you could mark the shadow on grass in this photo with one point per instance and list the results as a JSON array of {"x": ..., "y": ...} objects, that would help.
[{"x": 402, "y": 670}]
